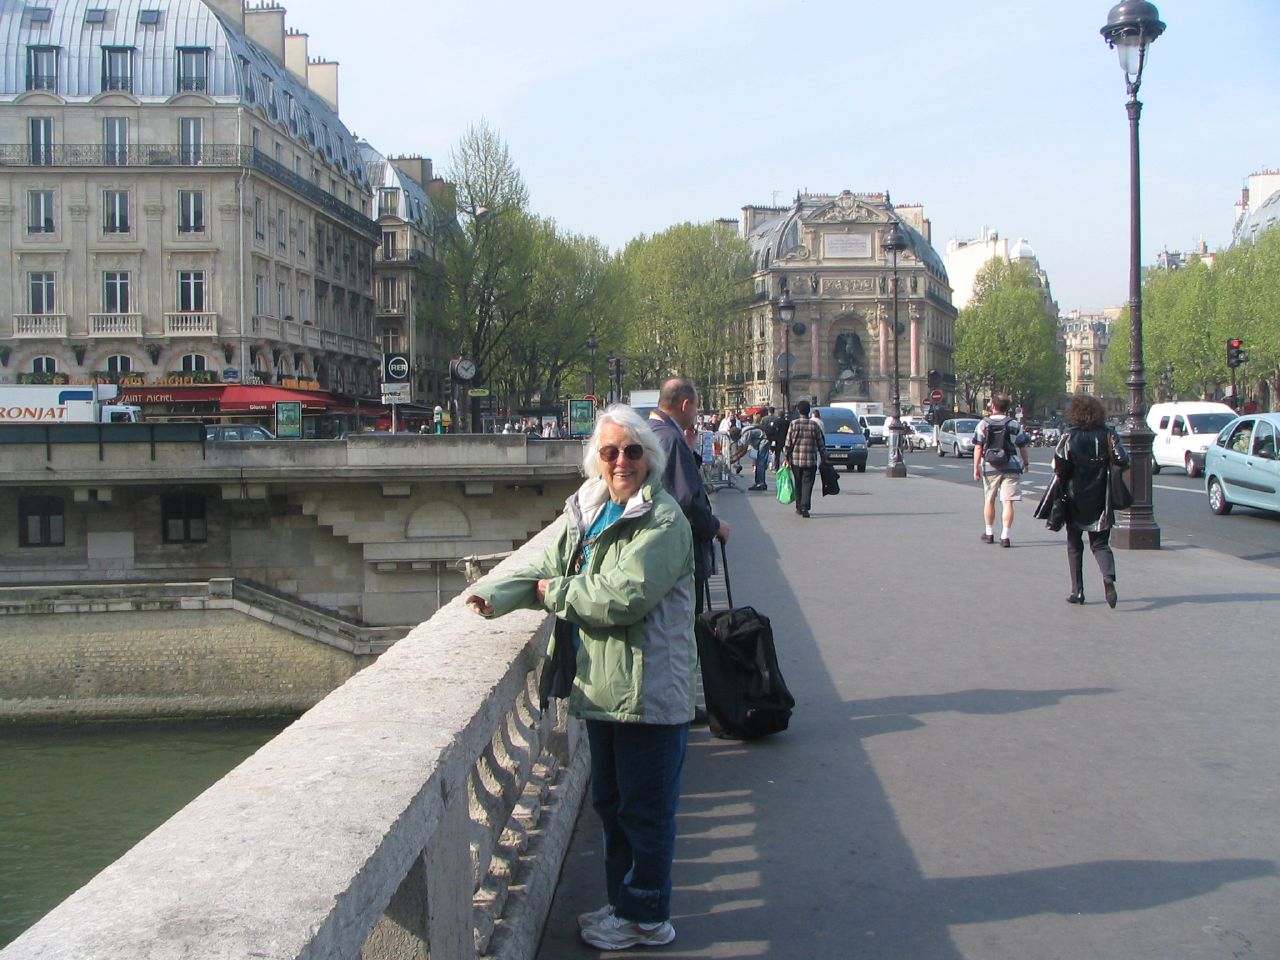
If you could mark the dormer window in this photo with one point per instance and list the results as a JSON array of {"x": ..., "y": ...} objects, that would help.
[
  {"x": 39, "y": 16},
  {"x": 246, "y": 81},
  {"x": 117, "y": 68},
  {"x": 96, "y": 17},
  {"x": 193, "y": 69},
  {"x": 42, "y": 68},
  {"x": 148, "y": 18}
]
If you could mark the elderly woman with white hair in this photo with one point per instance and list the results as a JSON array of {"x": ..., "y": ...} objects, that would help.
[{"x": 621, "y": 574}]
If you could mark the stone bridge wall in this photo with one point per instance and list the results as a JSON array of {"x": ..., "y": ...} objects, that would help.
[{"x": 423, "y": 806}]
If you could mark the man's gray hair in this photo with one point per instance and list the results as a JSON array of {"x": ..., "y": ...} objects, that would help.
[{"x": 639, "y": 430}]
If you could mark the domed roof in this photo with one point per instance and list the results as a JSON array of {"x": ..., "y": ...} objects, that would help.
[
  {"x": 780, "y": 234},
  {"x": 1022, "y": 250}
]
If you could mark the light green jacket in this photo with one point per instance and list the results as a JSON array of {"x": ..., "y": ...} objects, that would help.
[{"x": 632, "y": 603}]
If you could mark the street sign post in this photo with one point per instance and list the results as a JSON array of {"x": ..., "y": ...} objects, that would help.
[{"x": 935, "y": 396}]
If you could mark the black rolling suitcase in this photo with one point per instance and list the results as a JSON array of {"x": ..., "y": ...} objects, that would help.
[{"x": 743, "y": 686}]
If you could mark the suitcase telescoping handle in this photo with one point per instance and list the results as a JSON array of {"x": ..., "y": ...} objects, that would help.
[{"x": 724, "y": 562}]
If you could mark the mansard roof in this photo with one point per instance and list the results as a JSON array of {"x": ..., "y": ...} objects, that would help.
[
  {"x": 778, "y": 235},
  {"x": 414, "y": 205},
  {"x": 238, "y": 70},
  {"x": 1264, "y": 217}
]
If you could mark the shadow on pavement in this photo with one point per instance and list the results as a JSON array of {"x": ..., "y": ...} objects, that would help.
[{"x": 793, "y": 847}]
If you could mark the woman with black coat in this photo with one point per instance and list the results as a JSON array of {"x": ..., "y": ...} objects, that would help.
[{"x": 1082, "y": 460}]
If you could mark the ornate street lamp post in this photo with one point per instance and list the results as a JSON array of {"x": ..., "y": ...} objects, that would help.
[
  {"x": 592, "y": 343},
  {"x": 1131, "y": 27},
  {"x": 786, "y": 313},
  {"x": 894, "y": 242}
]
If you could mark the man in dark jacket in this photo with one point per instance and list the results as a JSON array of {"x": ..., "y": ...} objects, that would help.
[
  {"x": 805, "y": 448},
  {"x": 677, "y": 411}
]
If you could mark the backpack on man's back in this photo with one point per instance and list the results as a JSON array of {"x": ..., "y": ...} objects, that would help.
[{"x": 998, "y": 448}]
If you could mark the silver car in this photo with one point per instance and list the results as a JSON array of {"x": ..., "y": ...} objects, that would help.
[{"x": 956, "y": 437}]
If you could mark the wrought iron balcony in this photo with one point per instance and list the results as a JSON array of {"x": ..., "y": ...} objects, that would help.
[{"x": 184, "y": 155}]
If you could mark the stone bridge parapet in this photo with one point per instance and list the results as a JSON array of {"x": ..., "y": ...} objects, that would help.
[{"x": 423, "y": 806}]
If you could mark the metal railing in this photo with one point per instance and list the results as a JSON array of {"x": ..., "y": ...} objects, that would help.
[{"x": 184, "y": 155}]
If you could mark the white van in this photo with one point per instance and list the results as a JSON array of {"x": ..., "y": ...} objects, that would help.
[{"x": 1183, "y": 431}]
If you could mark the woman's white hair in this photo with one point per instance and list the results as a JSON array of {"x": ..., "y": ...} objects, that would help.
[{"x": 639, "y": 431}]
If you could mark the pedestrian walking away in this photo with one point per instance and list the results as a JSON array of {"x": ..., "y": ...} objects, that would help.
[
  {"x": 1082, "y": 462},
  {"x": 620, "y": 573},
  {"x": 1001, "y": 453},
  {"x": 805, "y": 448}
]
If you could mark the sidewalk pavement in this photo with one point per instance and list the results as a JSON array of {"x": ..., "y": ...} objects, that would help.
[{"x": 976, "y": 769}]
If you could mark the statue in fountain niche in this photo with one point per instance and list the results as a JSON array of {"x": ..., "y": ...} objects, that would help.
[{"x": 850, "y": 365}]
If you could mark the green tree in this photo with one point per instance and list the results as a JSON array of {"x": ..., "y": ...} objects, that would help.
[
  {"x": 1248, "y": 302},
  {"x": 571, "y": 293},
  {"x": 1181, "y": 327},
  {"x": 1114, "y": 376},
  {"x": 1007, "y": 340},
  {"x": 488, "y": 257},
  {"x": 682, "y": 289}
]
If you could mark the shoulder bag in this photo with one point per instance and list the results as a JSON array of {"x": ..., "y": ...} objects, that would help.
[{"x": 1120, "y": 495}]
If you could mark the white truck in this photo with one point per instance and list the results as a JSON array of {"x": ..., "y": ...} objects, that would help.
[
  {"x": 643, "y": 401},
  {"x": 64, "y": 403}
]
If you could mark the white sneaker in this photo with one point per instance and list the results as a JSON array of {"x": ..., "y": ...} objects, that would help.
[
  {"x": 595, "y": 916},
  {"x": 615, "y": 933}
]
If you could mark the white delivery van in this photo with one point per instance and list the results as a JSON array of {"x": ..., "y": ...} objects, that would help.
[{"x": 1183, "y": 431}]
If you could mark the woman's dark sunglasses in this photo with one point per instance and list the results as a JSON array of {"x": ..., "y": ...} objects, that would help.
[{"x": 632, "y": 451}]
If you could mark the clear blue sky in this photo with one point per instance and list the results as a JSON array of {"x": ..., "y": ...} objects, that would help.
[{"x": 627, "y": 118}]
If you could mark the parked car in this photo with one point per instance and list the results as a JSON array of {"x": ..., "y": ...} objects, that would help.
[
  {"x": 876, "y": 427},
  {"x": 237, "y": 431},
  {"x": 920, "y": 436},
  {"x": 1242, "y": 467},
  {"x": 846, "y": 443},
  {"x": 956, "y": 437},
  {"x": 1183, "y": 432}
]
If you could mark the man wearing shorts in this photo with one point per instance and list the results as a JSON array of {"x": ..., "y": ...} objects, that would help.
[{"x": 1000, "y": 455}]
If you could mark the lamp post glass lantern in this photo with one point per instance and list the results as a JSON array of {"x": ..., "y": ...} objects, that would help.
[
  {"x": 786, "y": 314},
  {"x": 1131, "y": 27},
  {"x": 893, "y": 243}
]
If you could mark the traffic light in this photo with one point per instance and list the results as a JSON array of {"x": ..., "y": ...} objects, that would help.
[
  {"x": 934, "y": 379},
  {"x": 1235, "y": 352}
]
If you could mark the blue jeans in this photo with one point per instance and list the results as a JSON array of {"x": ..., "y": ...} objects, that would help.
[
  {"x": 635, "y": 788},
  {"x": 762, "y": 463}
]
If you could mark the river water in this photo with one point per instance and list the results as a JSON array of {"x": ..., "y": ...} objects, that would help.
[{"x": 74, "y": 799}]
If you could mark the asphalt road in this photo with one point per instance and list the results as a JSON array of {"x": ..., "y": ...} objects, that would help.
[
  {"x": 976, "y": 770},
  {"x": 1181, "y": 507}
]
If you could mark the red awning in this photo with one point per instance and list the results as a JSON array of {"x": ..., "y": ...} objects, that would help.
[
  {"x": 241, "y": 399},
  {"x": 163, "y": 394}
]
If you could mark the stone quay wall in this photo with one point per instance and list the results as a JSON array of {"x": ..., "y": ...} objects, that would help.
[
  {"x": 74, "y": 653},
  {"x": 422, "y": 808}
]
